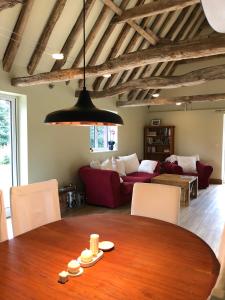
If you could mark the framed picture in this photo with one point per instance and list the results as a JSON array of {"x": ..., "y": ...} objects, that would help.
[{"x": 155, "y": 122}]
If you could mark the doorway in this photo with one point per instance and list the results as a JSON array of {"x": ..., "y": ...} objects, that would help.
[{"x": 8, "y": 147}]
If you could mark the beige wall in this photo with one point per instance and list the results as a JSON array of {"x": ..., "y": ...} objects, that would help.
[
  {"x": 199, "y": 128},
  {"x": 197, "y": 132},
  {"x": 58, "y": 151}
]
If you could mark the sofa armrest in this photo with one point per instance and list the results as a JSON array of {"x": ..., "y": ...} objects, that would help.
[
  {"x": 204, "y": 172},
  {"x": 102, "y": 186},
  {"x": 203, "y": 168}
]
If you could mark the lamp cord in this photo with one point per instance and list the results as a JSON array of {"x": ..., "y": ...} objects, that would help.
[{"x": 84, "y": 40}]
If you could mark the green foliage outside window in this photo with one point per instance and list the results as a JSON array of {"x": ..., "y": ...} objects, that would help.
[
  {"x": 4, "y": 124},
  {"x": 102, "y": 137}
]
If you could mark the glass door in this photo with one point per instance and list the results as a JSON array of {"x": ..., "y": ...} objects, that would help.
[{"x": 8, "y": 149}]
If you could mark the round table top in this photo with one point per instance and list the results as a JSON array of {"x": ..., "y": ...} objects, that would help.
[{"x": 152, "y": 259}]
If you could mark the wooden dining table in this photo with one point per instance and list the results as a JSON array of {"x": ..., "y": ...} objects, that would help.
[{"x": 151, "y": 259}]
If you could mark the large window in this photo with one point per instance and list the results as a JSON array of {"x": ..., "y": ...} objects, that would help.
[
  {"x": 8, "y": 148},
  {"x": 103, "y": 138},
  {"x": 13, "y": 144}
]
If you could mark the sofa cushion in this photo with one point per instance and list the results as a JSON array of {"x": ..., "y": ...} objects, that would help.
[
  {"x": 131, "y": 163},
  {"x": 148, "y": 166},
  {"x": 171, "y": 168},
  {"x": 188, "y": 163},
  {"x": 138, "y": 177}
]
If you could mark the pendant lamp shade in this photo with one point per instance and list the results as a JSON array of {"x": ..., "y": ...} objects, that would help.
[
  {"x": 215, "y": 14},
  {"x": 83, "y": 112}
]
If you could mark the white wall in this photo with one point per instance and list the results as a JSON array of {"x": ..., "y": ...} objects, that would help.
[{"x": 59, "y": 151}]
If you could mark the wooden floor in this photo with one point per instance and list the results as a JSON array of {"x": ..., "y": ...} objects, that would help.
[{"x": 205, "y": 216}]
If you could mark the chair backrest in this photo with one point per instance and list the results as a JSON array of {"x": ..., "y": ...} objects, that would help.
[
  {"x": 157, "y": 201},
  {"x": 218, "y": 292},
  {"x": 3, "y": 225},
  {"x": 34, "y": 205}
]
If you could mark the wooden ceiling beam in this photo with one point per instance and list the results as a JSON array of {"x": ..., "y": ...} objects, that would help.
[
  {"x": 185, "y": 22},
  {"x": 69, "y": 43},
  {"x": 154, "y": 8},
  {"x": 131, "y": 45},
  {"x": 143, "y": 45},
  {"x": 43, "y": 40},
  {"x": 95, "y": 56},
  {"x": 9, "y": 3},
  {"x": 189, "y": 79},
  {"x": 149, "y": 36},
  {"x": 182, "y": 22},
  {"x": 200, "y": 59},
  {"x": 145, "y": 71},
  {"x": 104, "y": 15},
  {"x": 188, "y": 32},
  {"x": 106, "y": 35},
  {"x": 116, "y": 47},
  {"x": 161, "y": 53},
  {"x": 165, "y": 101},
  {"x": 16, "y": 37}
]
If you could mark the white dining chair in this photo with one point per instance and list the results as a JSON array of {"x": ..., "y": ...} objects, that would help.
[
  {"x": 157, "y": 201},
  {"x": 34, "y": 205},
  {"x": 3, "y": 225},
  {"x": 218, "y": 292}
]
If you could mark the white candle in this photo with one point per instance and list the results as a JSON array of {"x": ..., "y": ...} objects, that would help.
[
  {"x": 94, "y": 240},
  {"x": 86, "y": 256},
  {"x": 73, "y": 266},
  {"x": 63, "y": 277}
]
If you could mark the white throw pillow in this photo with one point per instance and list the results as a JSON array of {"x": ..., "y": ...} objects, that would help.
[
  {"x": 119, "y": 166},
  {"x": 107, "y": 164},
  {"x": 147, "y": 166},
  {"x": 95, "y": 164},
  {"x": 131, "y": 163},
  {"x": 188, "y": 163}
]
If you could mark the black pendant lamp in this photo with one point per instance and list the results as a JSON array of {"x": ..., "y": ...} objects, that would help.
[{"x": 84, "y": 112}]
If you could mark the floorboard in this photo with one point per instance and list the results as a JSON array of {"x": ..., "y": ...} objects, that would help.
[{"x": 205, "y": 216}]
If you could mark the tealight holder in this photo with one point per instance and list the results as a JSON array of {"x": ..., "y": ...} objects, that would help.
[
  {"x": 74, "y": 268},
  {"x": 92, "y": 261}
]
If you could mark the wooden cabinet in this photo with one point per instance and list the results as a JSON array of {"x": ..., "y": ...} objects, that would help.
[{"x": 158, "y": 142}]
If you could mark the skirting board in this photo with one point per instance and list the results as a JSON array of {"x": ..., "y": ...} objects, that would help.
[{"x": 215, "y": 181}]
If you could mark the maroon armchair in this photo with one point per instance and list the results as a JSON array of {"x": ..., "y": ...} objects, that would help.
[
  {"x": 103, "y": 187},
  {"x": 203, "y": 172}
]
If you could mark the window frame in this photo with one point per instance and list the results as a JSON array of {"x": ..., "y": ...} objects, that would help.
[{"x": 107, "y": 138}]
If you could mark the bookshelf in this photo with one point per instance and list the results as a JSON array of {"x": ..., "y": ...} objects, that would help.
[{"x": 158, "y": 142}]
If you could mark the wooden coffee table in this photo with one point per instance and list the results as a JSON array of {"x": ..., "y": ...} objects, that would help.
[{"x": 188, "y": 184}]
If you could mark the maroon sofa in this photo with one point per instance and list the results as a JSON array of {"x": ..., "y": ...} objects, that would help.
[
  {"x": 203, "y": 172},
  {"x": 103, "y": 187}
]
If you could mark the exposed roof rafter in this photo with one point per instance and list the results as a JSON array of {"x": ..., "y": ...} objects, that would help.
[
  {"x": 165, "y": 101},
  {"x": 170, "y": 82},
  {"x": 153, "y": 8},
  {"x": 149, "y": 36},
  {"x": 165, "y": 53}
]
